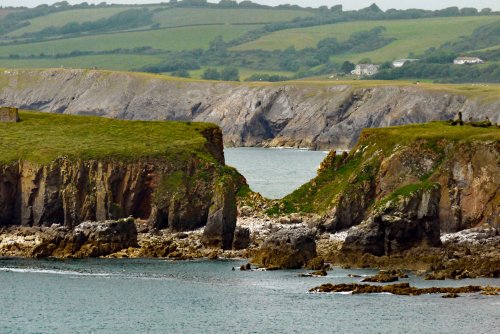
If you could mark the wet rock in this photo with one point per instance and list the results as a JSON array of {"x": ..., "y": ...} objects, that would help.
[
  {"x": 287, "y": 249},
  {"x": 383, "y": 277},
  {"x": 451, "y": 295},
  {"x": 321, "y": 272},
  {"x": 316, "y": 263},
  {"x": 397, "y": 289}
]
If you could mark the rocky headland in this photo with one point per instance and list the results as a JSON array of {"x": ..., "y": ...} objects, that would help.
[
  {"x": 417, "y": 197},
  {"x": 316, "y": 115},
  {"x": 69, "y": 183},
  {"x": 420, "y": 197}
]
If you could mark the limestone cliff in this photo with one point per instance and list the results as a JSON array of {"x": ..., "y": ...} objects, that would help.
[
  {"x": 315, "y": 115},
  {"x": 401, "y": 187},
  {"x": 171, "y": 183}
]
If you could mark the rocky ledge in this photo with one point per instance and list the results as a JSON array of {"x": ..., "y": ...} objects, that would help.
[
  {"x": 403, "y": 289},
  {"x": 88, "y": 239}
]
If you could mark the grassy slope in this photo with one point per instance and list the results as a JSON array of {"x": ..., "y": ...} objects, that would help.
[
  {"x": 319, "y": 194},
  {"x": 412, "y": 35},
  {"x": 244, "y": 72},
  {"x": 62, "y": 18},
  {"x": 110, "y": 62},
  {"x": 184, "y": 16},
  {"x": 167, "y": 39},
  {"x": 42, "y": 137}
]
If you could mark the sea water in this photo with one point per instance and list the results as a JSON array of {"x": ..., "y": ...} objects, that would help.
[
  {"x": 274, "y": 172},
  {"x": 159, "y": 296}
]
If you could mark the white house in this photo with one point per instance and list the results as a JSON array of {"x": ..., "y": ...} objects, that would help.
[
  {"x": 401, "y": 62},
  {"x": 468, "y": 61},
  {"x": 365, "y": 70}
]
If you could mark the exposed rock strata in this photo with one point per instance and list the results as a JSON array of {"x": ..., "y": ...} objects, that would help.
[
  {"x": 88, "y": 239},
  {"x": 297, "y": 114}
]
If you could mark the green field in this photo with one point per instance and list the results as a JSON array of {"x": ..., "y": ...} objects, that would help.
[
  {"x": 185, "y": 16},
  {"x": 119, "y": 62},
  {"x": 62, "y": 18},
  {"x": 244, "y": 72},
  {"x": 185, "y": 38},
  {"x": 43, "y": 137},
  {"x": 412, "y": 36}
]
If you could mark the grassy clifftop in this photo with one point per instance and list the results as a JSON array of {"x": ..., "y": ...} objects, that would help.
[
  {"x": 42, "y": 137},
  {"x": 407, "y": 155}
]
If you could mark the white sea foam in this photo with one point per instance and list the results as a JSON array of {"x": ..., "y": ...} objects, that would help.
[{"x": 51, "y": 271}]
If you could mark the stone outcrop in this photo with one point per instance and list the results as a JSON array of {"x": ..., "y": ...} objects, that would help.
[
  {"x": 287, "y": 249},
  {"x": 403, "y": 289},
  {"x": 9, "y": 115},
  {"x": 65, "y": 192},
  {"x": 88, "y": 239},
  {"x": 412, "y": 221},
  {"x": 316, "y": 116}
]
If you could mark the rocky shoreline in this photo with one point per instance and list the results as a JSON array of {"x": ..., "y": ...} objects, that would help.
[{"x": 269, "y": 243}]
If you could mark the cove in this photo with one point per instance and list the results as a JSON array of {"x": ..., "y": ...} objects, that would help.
[{"x": 274, "y": 172}]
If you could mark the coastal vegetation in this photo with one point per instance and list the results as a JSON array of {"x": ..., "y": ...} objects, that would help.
[
  {"x": 348, "y": 173},
  {"x": 43, "y": 137}
]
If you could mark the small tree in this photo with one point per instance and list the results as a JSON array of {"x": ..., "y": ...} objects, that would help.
[
  {"x": 347, "y": 67},
  {"x": 211, "y": 74},
  {"x": 230, "y": 74}
]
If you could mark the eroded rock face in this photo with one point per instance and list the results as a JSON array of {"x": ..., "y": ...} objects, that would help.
[
  {"x": 411, "y": 222},
  {"x": 88, "y": 239},
  {"x": 221, "y": 222},
  {"x": 179, "y": 193},
  {"x": 287, "y": 249},
  {"x": 309, "y": 116}
]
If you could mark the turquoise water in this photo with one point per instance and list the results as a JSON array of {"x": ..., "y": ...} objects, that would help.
[
  {"x": 274, "y": 172},
  {"x": 157, "y": 296}
]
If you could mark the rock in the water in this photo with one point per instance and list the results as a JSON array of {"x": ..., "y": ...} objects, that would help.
[
  {"x": 289, "y": 248},
  {"x": 386, "y": 276},
  {"x": 398, "y": 289}
]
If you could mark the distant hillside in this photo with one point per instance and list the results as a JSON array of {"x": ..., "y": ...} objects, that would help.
[{"x": 251, "y": 41}]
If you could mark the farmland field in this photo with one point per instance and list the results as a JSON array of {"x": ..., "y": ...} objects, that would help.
[
  {"x": 166, "y": 39},
  {"x": 412, "y": 35},
  {"x": 185, "y": 16},
  {"x": 61, "y": 18},
  {"x": 110, "y": 62}
]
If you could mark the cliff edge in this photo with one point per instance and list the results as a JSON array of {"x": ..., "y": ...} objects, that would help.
[
  {"x": 66, "y": 170},
  {"x": 316, "y": 115}
]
